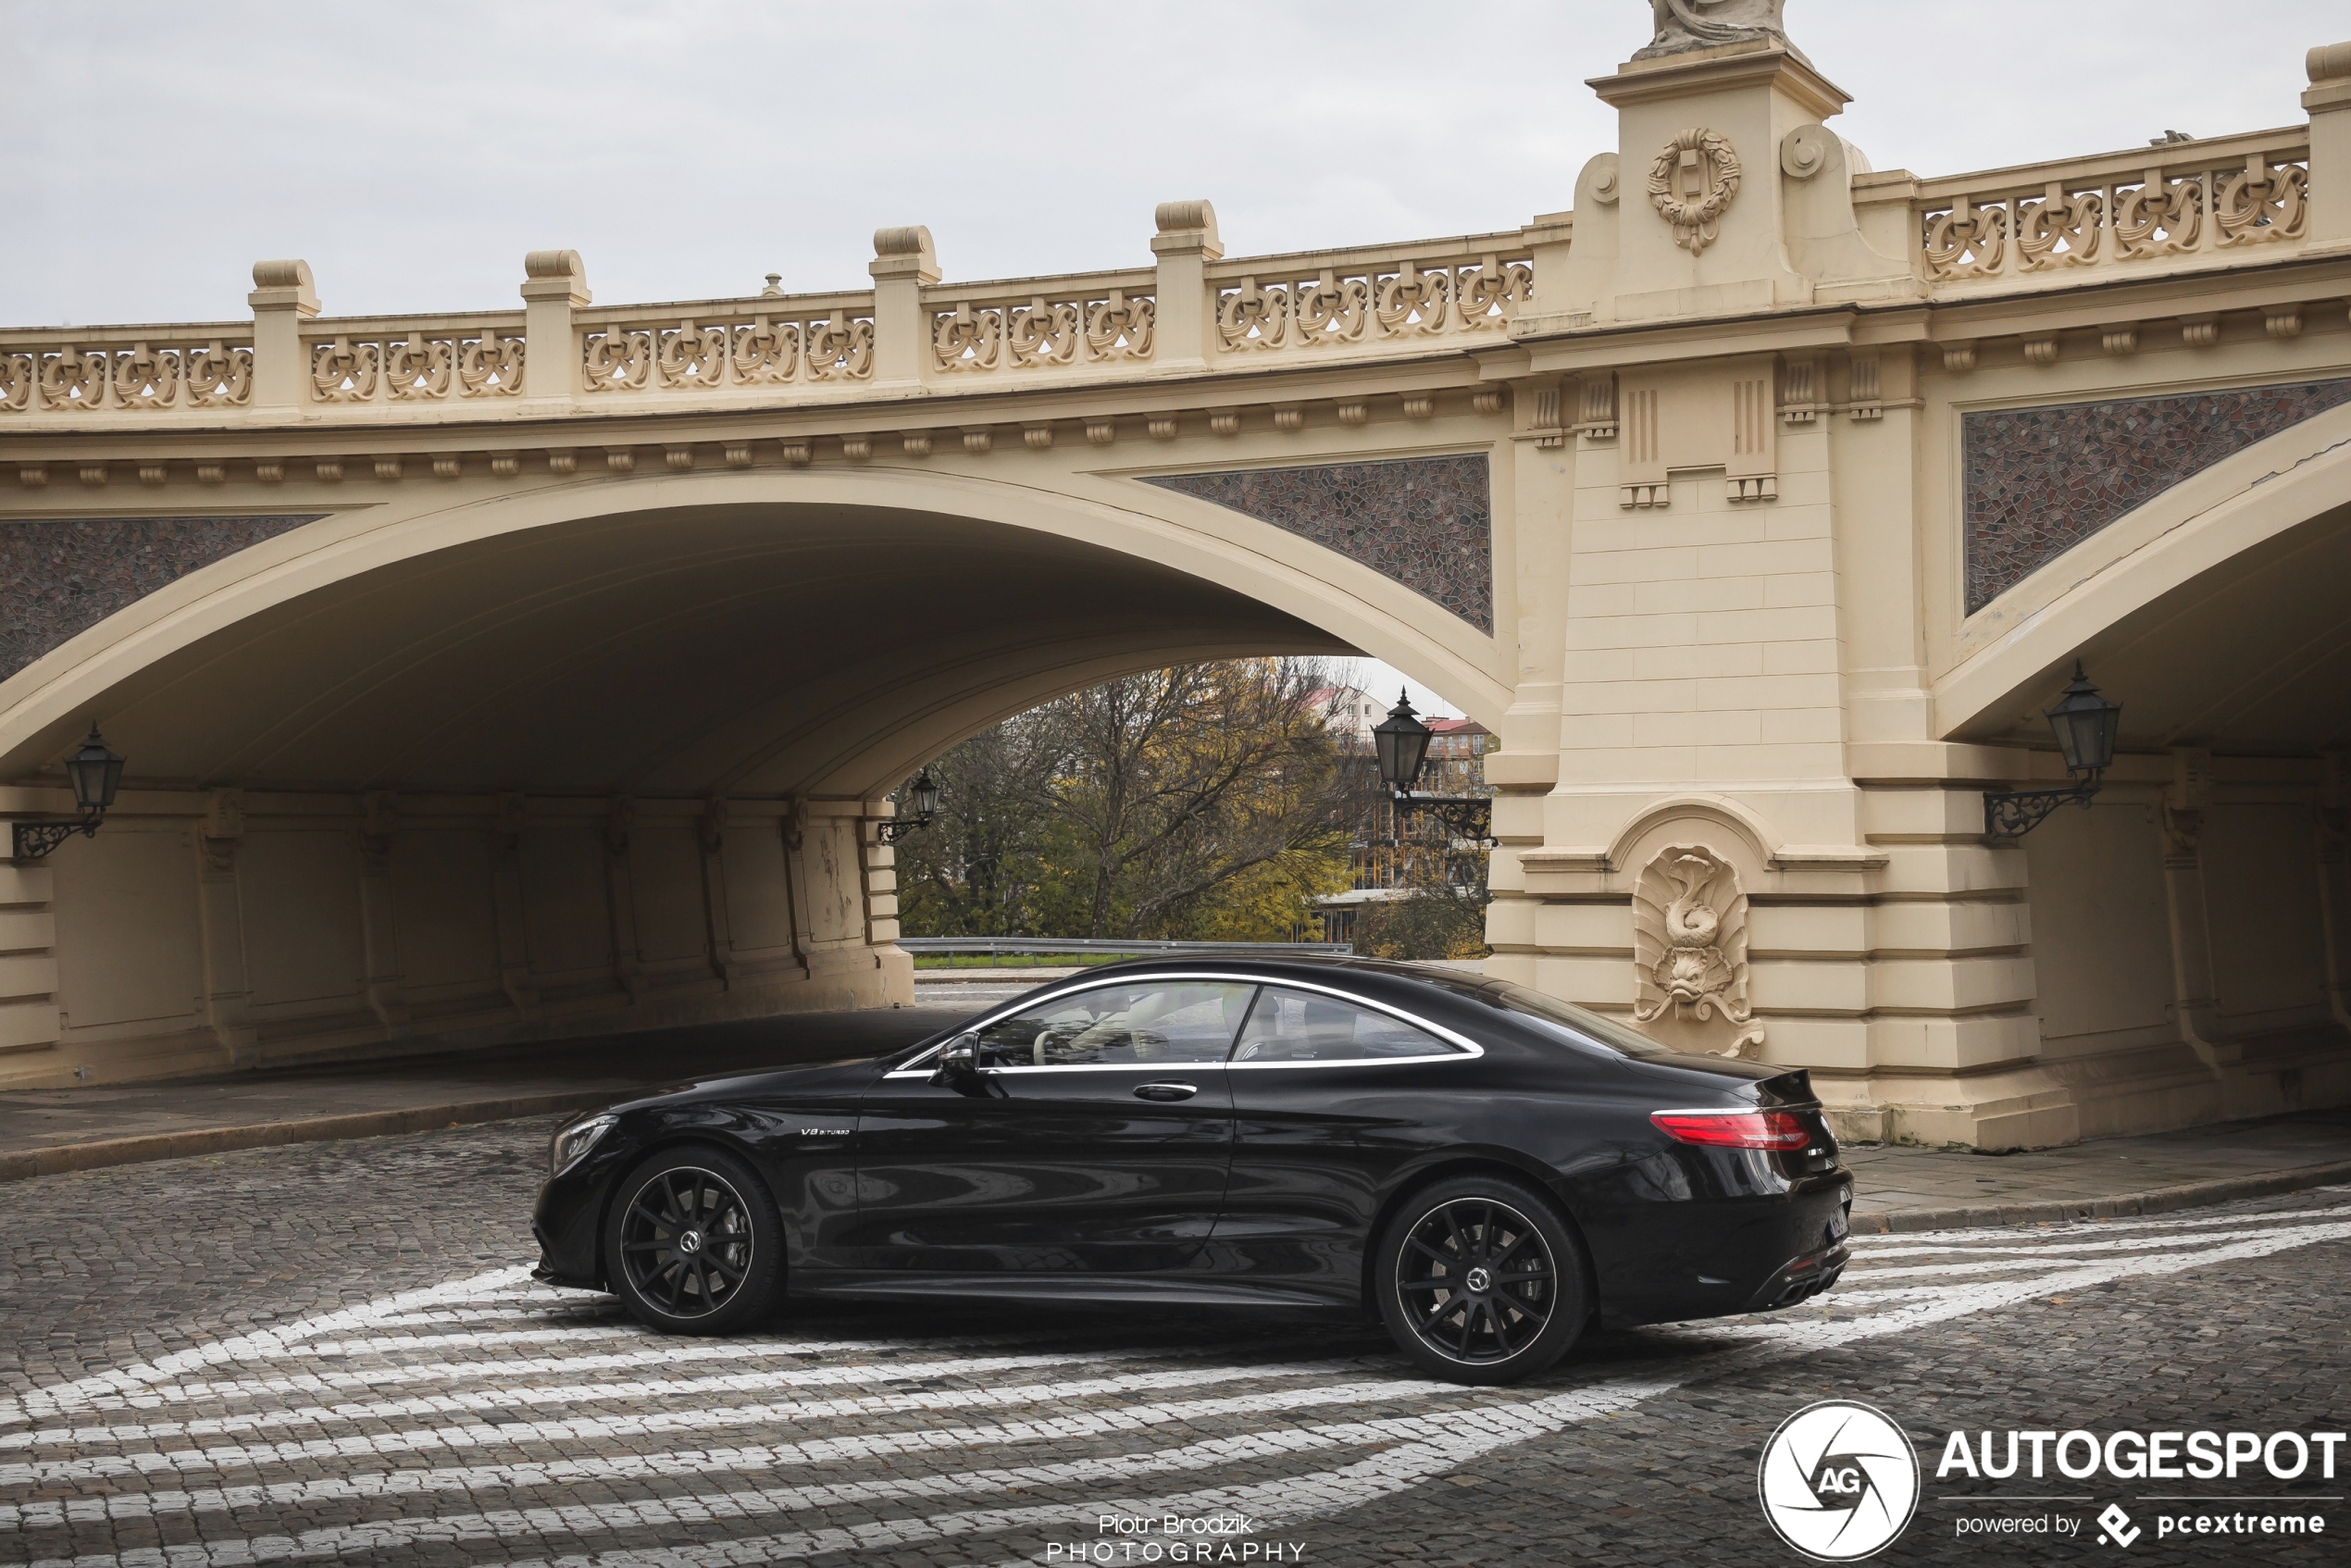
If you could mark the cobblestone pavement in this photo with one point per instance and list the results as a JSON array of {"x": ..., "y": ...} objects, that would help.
[{"x": 331, "y": 1353}]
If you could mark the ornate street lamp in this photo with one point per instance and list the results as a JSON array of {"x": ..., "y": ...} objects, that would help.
[
  {"x": 96, "y": 774},
  {"x": 1402, "y": 746},
  {"x": 922, "y": 795},
  {"x": 2085, "y": 725}
]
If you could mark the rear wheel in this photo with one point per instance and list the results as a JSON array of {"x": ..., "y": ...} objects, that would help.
[
  {"x": 1479, "y": 1280},
  {"x": 693, "y": 1244}
]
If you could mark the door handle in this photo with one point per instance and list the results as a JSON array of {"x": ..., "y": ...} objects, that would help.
[{"x": 1166, "y": 1092}]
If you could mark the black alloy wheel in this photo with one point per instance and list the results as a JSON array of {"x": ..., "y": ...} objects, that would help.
[
  {"x": 693, "y": 1244},
  {"x": 1480, "y": 1280}
]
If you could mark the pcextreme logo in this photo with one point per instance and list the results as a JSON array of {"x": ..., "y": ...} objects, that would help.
[{"x": 1838, "y": 1481}]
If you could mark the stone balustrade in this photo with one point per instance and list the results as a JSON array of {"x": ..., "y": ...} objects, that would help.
[
  {"x": 2181, "y": 203},
  {"x": 2178, "y": 207}
]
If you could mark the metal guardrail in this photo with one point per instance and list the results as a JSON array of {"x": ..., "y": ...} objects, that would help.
[{"x": 1082, "y": 945}]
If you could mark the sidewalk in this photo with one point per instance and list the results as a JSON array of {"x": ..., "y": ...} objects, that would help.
[
  {"x": 1899, "y": 1188},
  {"x": 46, "y": 1131}
]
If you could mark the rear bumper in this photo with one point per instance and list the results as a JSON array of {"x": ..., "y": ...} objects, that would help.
[
  {"x": 1666, "y": 1261},
  {"x": 1803, "y": 1278}
]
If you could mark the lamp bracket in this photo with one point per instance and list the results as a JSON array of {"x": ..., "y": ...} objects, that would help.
[
  {"x": 31, "y": 838},
  {"x": 894, "y": 828},
  {"x": 2009, "y": 814},
  {"x": 1469, "y": 816}
]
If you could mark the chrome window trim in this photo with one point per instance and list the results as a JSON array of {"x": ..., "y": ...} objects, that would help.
[{"x": 1464, "y": 1049}]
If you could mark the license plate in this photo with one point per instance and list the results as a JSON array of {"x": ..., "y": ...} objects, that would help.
[{"x": 1839, "y": 1226}]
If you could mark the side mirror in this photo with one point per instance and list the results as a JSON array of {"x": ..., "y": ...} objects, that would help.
[{"x": 958, "y": 1060}]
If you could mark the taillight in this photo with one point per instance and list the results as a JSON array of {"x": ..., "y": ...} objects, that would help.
[{"x": 1778, "y": 1131}]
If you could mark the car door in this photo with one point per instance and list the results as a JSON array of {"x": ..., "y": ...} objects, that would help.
[
  {"x": 1095, "y": 1137},
  {"x": 1332, "y": 1094}
]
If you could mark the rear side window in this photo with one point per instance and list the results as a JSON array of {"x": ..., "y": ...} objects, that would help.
[
  {"x": 1291, "y": 1025},
  {"x": 1582, "y": 1026}
]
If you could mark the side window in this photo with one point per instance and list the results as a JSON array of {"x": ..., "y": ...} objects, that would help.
[
  {"x": 1141, "y": 1025},
  {"x": 1288, "y": 1025}
]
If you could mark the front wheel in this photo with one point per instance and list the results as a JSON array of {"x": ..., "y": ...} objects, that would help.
[
  {"x": 1479, "y": 1280},
  {"x": 693, "y": 1244}
]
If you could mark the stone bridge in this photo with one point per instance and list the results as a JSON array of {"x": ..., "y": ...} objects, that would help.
[{"x": 539, "y": 671}]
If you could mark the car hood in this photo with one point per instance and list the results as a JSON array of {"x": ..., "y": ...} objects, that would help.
[{"x": 822, "y": 1078}]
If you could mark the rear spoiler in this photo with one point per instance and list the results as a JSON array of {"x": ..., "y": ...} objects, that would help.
[{"x": 1791, "y": 1089}]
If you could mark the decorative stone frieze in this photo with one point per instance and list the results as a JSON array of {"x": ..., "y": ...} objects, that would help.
[
  {"x": 2040, "y": 480},
  {"x": 61, "y": 576},
  {"x": 1426, "y": 522}
]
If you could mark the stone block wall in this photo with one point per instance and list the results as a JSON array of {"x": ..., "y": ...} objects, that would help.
[{"x": 198, "y": 932}]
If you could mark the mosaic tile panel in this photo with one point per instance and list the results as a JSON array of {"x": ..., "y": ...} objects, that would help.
[
  {"x": 1426, "y": 522},
  {"x": 60, "y": 576},
  {"x": 2041, "y": 480}
]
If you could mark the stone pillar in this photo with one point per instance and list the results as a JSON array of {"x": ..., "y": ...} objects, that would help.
[
  {"x": 514, "y": 942},
  {"x": 2195, "y": 993},
  {"x": 712, "y": 835},
  {"x": 282, "y": 299},
  {"x": 28, "y": 959},
  {"x": 621, "y": 893},
  {"x": 1699, "y": 134},
  {"x": 221, "y": 917},
  {"x": 555, "y": 284},
  {"x": 387, "y": 992},
  {"x": 904, "y": 262},
  {"x": 2329, "y": 102},
  {"x": 881, "y": 879},
  {"x": 1186, "y": 311},
  {"x": 2334, "y": 885}
]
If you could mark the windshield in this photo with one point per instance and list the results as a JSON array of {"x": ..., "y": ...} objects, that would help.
[{"x": 1580, "y": 1024}]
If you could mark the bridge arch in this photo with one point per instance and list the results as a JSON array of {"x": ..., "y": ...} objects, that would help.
[
  {"x": 391, "y": 593},
  {"x": 478, "y": 762},
  {"x": 2214, "y": 611}
]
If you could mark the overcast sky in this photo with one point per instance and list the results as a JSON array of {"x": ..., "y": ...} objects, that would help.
[{"x": 413, "y": 151}]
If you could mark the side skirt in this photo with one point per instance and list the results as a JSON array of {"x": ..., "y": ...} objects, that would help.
[{"x": 1072, "y": 1290}]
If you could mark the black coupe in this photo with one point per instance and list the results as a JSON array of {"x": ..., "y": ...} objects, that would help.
[{"x": 1485, "y": 1168}]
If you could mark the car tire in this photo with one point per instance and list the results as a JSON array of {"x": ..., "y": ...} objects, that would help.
[
  {"x": 693, "y": 1244},
  {"x": 1480, "y": 1280}
]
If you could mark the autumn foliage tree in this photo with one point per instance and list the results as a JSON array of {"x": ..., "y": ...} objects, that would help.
[{"x": 1201, "y": 801}]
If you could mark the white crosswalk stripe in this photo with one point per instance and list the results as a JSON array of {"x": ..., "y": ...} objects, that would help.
[{"x": 512, "y": 1424}]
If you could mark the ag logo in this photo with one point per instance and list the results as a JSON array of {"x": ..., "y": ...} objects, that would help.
[{"x": 1838, "y": 1481}]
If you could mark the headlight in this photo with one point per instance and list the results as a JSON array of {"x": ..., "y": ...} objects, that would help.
[{"x": 570, "y": 1145}]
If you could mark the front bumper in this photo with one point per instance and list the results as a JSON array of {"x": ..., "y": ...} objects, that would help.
[{"x": 564, "y": 1220}]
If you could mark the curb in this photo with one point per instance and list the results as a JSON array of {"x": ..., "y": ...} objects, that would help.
[
  {"x": 2158, "y": 1201},
  {"x": 64, "y": 1157}
]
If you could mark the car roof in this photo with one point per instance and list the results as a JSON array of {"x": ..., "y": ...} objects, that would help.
[{"x": 1314, "y": 966}]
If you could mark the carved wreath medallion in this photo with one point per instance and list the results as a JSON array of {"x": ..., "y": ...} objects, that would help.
[{"x": 1692, "y": 184}]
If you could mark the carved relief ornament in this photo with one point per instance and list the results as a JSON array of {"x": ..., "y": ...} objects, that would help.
[
  {"x": 1692, "y": 184},
  {"x": 1689, "y": 945}
]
